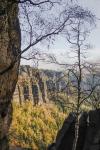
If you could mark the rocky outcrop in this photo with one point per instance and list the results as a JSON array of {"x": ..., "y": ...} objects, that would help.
[
  {"x": 10, "y": 43},
  {"x": 30, "y": 86},
  {"x": 34, "y": 84},
  {"x": 89, "y": 133}
]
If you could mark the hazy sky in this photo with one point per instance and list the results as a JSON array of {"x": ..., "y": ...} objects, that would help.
[
  {"x": 94, "y": 39},
  {"x": 94, "y": 5},
  {"x": 61, "y": 49}
]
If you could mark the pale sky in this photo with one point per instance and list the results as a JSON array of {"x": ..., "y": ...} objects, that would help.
[
  {"x": 60, "y": 49},
  {"x": 94, "y": 6}
]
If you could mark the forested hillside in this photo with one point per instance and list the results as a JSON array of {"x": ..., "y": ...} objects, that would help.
[{"x": 35, "y": 127}]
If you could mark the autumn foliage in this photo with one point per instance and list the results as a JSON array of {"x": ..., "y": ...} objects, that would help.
[{"x": 35, "y": 126}]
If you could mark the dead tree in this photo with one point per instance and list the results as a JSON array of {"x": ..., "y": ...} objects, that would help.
[{"x": 76, "y": 35}]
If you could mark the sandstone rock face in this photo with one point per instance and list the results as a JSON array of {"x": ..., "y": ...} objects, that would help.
[
  {"x": 89, "y": 133},
  {"x": 35, "y": 84},
  {"x": 10, "y": 41},
  {"x": 31, "y": 86}
]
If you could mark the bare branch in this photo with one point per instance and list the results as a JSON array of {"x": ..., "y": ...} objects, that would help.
[{"x": 35, "y": 3}]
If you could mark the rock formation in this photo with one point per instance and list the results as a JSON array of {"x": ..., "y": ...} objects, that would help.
[
  {"x": 34, "y": 84},
  {"x": 10, "y": 46},
  {"x": 89, "y": 132}
]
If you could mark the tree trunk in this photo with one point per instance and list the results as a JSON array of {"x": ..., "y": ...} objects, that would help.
[
  {"x": 19, "y": 93},
  {"x": 10, "y": 41}
]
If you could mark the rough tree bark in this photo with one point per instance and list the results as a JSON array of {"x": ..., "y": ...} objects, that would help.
[{"x": 10, "y": 41}]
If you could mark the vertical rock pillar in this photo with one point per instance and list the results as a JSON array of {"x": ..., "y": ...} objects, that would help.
[{"x": 10, "y": 43}]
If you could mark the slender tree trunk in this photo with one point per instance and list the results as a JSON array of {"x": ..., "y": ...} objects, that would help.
[
  {"x": 10, "y": 40},
  {"x": 78, "y": 89},
  {"x": 19, "y": 93}
]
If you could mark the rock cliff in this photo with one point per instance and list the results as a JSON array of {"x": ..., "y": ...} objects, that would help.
[
  {"x": 89, "y": 132},
  {"x": 37, "y": 85}
]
